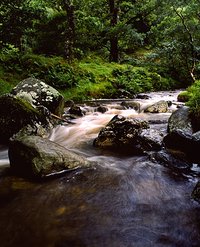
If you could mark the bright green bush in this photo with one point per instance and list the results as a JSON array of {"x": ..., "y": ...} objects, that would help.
[{"x": 194, "y": 99}]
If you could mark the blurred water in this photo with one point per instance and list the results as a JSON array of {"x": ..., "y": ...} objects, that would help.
[{"x": 125, "y": 201}]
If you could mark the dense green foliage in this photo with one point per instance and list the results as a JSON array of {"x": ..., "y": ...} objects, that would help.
[
  {"x": 193, "y": 94},
  {"x": 71, "y": 44}
]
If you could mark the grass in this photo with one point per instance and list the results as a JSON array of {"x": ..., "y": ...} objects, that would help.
[{"x": 91, "y": 77}]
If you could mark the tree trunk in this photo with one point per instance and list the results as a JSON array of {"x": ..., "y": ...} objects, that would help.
[
  {"x": 114, "y": 11},
  {"x": 191, "y": 63},
  {"x": 70, "y": 32}
]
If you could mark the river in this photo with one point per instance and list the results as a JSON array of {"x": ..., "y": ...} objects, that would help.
[{"x": 125, "y": 201}]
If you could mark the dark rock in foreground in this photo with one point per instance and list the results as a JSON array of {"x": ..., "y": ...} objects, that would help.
[
  {"x": 31, "y": 102},
  {"x": 16, "y": 113},
  {"x": 34, "y": 156}
]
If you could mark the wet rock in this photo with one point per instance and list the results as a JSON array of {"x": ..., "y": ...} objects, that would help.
[
  {"x": 175, "y": 161},
  {"x": 150, "y": 139},
  {"x": 169, "y": 102},
  {"x": 158, "y": 107},
  {"x": 157, "y": 121},
  {"x": 39, "y": 93},
  {"x": 128, "y": 135},
  {"x": 196, "y": 193},
  {"x": 180, "y": 119},
  {"x": 184, "y": 142},
  {"x": 196, "y": 136},
  {"x": 16, "y": 113},
  {"x": 101, "y": 109},
  {"x": 131, "y": 105},
  {"x": 33, "y": 156},
  {"x": 69, "y": 103},
  {"x": 76, "y": 111},
  {"x": 179, "y": 140},
  {"x": 143, "y": 96}
]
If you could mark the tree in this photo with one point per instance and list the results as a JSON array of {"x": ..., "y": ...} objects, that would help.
[
  {"x": 17, "y": 20},
  {"x": 176, "y": 37},
  {"x": 70, "y": 32},
  {"x": 114, "y": 16}
]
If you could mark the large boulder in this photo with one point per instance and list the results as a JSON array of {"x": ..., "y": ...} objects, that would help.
[
  {"x": 34, "y": 156},
  {"x": 39, "y": 93},
  {"x": 180, "y": 119},
  {"x": 128, "y": 135},
  {"x": 185, "y": 142},
  {"x": 16, "y": 113},
  {"x": 158, "y": 107}
]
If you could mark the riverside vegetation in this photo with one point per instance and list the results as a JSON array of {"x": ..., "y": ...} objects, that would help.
[{"x": 90, "y": 49}]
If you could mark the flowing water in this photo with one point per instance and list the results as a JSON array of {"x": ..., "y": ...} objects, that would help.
[{"x": 125, "y": 201}]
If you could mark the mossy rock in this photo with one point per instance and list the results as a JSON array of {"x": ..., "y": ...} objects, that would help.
[
  {"x": 39, "y": 93},
  {"x": 37, "y": 157},
  {"x": 15, "y": 114},
  {"x": 183, "y": 96}
]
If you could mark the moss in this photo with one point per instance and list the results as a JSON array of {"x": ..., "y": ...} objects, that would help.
[
  {"x": 184, "y": 96},
  {"x": 26, "y": 106},
  {"x": 15, "y": 114}
]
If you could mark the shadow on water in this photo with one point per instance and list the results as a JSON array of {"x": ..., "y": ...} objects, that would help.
[
  {"x": 122, "y": 202},
  {"x": 137, "y": 205}
]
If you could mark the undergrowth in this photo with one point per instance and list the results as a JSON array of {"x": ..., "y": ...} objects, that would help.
[{"x": 91, "y": 77}]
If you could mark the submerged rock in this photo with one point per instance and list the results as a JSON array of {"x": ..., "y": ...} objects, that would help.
[
  {"x": 196, "y": 193},
  {"x": 16, "y": 113},
  {"x": 142, "y": 96},
  {"x": 131, "y": 105},
  {"x": 101, "y": 109},
  {"x": 39, "y": 93},
  {"x": 34, "y": 156},
  {"x": 158, "y": 107},
  {"x": 128, "y": 135},
  {"x": 76, "y": 111},
  {"x": 175, "y": 161}
]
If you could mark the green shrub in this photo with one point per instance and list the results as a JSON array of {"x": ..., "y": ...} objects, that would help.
[
  {"x": 194, "y": 99},
  {"x": 53, "y": 70},
  {"x": 10, "y": 58},
  {"x": 184, "y": 96},
  {"x": 137, "y": 80}
]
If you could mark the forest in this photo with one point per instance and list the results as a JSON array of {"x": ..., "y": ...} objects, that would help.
[{"x": 102, "y": 49}]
